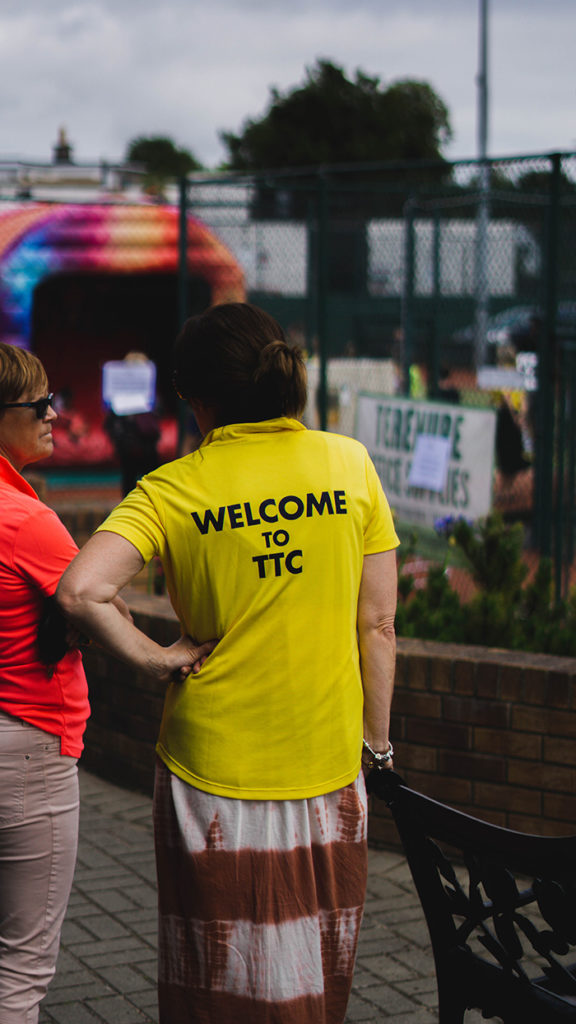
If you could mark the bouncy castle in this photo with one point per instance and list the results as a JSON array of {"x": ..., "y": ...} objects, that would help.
[{"x": 84, "y": 284}]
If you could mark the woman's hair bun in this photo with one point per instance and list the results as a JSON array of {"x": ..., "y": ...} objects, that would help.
[{"x": 277, "y": 358}]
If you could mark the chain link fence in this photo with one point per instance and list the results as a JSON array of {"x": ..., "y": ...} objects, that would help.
[
  {"x": 437, "y": 299},
  {"x": 436, "y": 304}
]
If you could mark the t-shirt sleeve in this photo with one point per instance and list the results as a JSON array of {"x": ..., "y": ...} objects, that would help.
[
  {"x": 136, "y": 519},
  {"x": 43, "y": 549},
  {"x": 379, "y": 532}
]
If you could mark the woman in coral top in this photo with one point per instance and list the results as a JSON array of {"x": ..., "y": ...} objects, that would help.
[{"x": 43, "y": 710}]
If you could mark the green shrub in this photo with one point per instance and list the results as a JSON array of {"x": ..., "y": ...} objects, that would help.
[
  {"x": 505, "y": 611},
  {"x": 433, "y": 613}
]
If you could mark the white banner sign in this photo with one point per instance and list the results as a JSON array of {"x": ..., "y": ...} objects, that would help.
[
  {"x": 129, "y": 387},
  {"x": 390, "y": 428}
]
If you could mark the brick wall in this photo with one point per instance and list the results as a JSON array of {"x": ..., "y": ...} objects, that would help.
[{"x": 490, "y": 732}]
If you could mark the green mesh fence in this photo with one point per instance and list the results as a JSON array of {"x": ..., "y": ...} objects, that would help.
[
  {"x": 435, "y": 301},
  {"x": 436, "y": 304}
]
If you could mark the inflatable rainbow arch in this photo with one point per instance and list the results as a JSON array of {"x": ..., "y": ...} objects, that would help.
[{"x": 38, "y": 240}]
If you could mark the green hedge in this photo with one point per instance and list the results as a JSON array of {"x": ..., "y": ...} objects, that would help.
[{"x": 505, "y": 611}]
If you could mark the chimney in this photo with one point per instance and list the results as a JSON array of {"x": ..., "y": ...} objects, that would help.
[{"x": 62, "y": 153}]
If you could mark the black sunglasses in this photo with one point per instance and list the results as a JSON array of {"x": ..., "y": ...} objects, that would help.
[{"x": 40, "y": 405}]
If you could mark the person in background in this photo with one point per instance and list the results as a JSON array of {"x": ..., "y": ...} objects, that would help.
[
  {"x": 447, "y": 391},
  {"x": 278, "y": 542},
  {"x": 135, "y": 437},
  {"x": 417, "y": 385},
  {"x": 514, "y": 476},
  {"x": 513, "y": 442},
  {"x": 70, "y": 419}
]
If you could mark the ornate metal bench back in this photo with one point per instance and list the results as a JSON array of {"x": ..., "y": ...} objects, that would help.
[{"x": 500, "y": 908}]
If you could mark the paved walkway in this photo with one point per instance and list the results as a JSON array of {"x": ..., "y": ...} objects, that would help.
[{"x": 107, "y": 965}]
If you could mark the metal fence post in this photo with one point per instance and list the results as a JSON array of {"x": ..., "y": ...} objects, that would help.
[
  {"x": 322, "y": 298},
  {"x": 434, "y": 358},
  {"x": 482, "y": 289},
  {"x": 311, "y": 303},
  {"x": 408, "y": 295},
  {"x": 545, "y": 450},
  {"x": 560, "y": 510},
  {"x": 570, "y": 385},
  {"x": 183, "y": 307},
  {"x": 182, "y": 250}
]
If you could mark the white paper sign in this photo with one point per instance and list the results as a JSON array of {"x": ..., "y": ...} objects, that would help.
[
  {"x": 429, "y": 467},
  {"x": 128, "y": 388},
  {"x": 390, "y": 428},
  {"x": 527, "y": 365},
  {"x": 499, "y": 378}
]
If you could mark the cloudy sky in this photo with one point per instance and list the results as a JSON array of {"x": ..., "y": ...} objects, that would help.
[{"x": 110, "y": 70}]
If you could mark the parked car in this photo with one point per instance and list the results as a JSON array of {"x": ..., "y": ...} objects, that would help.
[{"x": 519, "y": 326}]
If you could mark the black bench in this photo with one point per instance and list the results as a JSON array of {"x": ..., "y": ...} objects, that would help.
[{"x": 500, "y": 908}]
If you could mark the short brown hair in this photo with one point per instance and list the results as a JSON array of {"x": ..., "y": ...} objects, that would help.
[
  {"x": 234, "y": 358},
  {"x": 21, "y": 372}
]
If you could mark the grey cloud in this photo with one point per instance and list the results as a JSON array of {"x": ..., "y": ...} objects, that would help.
[{"x": 113, "y": 69}]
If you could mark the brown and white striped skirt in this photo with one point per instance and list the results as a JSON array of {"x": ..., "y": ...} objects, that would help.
[{"x": 260, "y": 904}]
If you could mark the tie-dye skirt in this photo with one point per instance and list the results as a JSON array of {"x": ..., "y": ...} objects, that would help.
[{"x": 260, "y": 904}]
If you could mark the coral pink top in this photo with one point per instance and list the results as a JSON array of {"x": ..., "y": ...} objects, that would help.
[{"x": 35, "y": 549}]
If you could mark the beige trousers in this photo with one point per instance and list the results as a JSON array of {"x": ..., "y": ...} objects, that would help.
[{"x": 38, "y": 842}]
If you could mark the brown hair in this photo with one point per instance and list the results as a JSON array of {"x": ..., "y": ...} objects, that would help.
[
  {"x": 21, "y": 373},
  {"x": 235, "y": 359}
]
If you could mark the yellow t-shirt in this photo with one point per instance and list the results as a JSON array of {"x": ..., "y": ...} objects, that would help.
[{"x": 262, "y": 533}]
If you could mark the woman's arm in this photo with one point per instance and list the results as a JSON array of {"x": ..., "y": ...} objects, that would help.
[
  {"x": 88, "y": 595},
  {"x": 377, "y": 642}
]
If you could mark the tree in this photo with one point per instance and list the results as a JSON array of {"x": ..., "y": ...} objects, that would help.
[
  {"x": 162, "y": 160},
  {"x": 333, "y": 120}
]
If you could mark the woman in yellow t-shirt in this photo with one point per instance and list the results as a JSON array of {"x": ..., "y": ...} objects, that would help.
[{"x": 277, "y": 545}]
